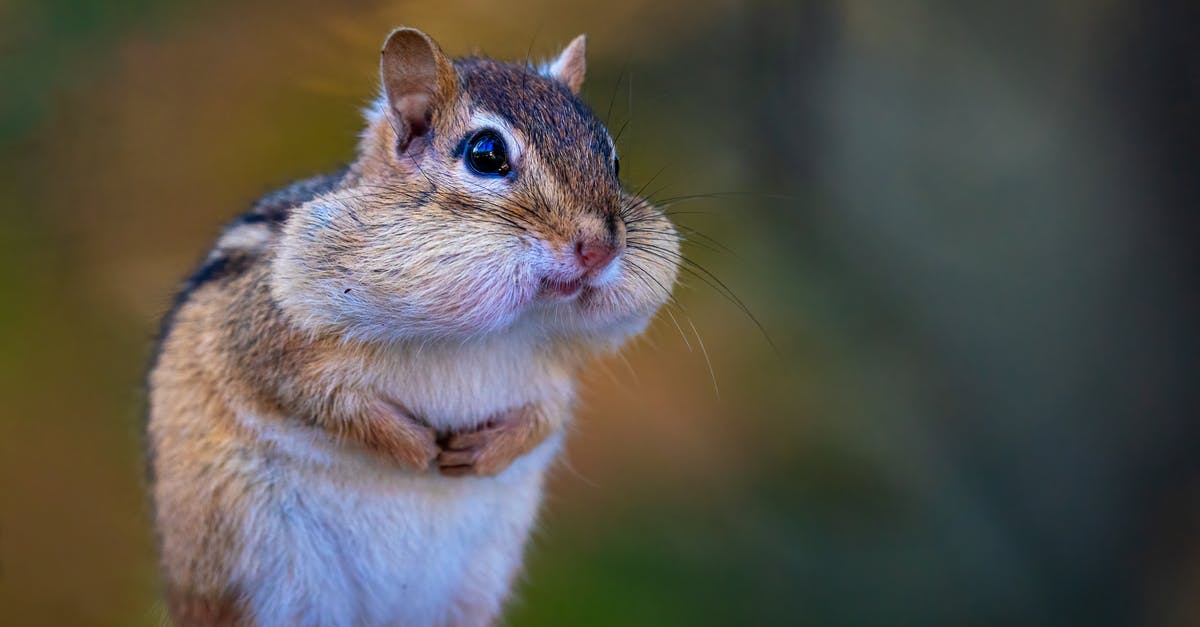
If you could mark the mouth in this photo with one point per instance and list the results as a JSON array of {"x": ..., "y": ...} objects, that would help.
[{"x": 561, "y": 290}]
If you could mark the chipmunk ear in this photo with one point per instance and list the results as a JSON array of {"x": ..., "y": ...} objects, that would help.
[
  {"x": 418, "y": 81},
  {"x": 570, "y": 66}
]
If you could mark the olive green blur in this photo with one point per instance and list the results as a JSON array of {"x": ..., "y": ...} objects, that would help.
[{"x": 933, "y": 361}]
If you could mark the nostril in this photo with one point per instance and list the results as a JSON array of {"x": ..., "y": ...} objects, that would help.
[{"x": 594, "y": 255}]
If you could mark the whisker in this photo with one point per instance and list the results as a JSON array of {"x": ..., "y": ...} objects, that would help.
[
  {"x": 647, "y": 183},
  {"x": 616, "y": 90},
  {"x": 622, "y": 130},
  {"x": 709, "y": 278},
  {"x": 704, "y": 351},
  {"x": 646, "y": 274},
  {"x": 681, "y": 334}
]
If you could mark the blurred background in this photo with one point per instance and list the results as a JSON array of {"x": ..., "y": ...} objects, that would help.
[{"x": 970, "y": 230}]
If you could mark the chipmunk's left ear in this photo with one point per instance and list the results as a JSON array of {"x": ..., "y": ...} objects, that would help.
[
  {"x": 419, "y": 84},
  {"x": 570, "y": 66}
]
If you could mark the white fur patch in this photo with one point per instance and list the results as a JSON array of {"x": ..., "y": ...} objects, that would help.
[{"x": 341, "y": 539}]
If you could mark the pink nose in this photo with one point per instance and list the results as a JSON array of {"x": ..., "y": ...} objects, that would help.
[{"x": 594, "y": 255}]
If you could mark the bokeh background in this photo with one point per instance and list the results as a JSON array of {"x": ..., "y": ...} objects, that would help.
[{"x": 968, "y": 228}]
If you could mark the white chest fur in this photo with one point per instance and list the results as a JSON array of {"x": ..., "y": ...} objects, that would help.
[
  {"x": 453, "y": 386},
  {"x": 338, "y": 538}
]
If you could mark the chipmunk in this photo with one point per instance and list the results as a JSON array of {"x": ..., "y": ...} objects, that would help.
[{"x": 357, "y": 395}]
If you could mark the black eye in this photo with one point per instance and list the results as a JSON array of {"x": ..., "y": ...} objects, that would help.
[
  {"x": 486, "y": 154},
  {"x": 616, "y": 166}
]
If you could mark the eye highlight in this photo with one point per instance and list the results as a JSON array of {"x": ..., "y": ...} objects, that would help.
[{"x": 487, "y": 155}]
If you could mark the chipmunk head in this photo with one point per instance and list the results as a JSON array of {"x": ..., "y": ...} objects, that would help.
[{"x": 485, "y": 196}]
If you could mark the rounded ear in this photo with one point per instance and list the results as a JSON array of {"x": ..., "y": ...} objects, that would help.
[
  {"x": 571, "y": 64},
  {"x": 418, "y": 82}
]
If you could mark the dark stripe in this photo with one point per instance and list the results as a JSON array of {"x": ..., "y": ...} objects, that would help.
[{"x": 276, "y": 206}]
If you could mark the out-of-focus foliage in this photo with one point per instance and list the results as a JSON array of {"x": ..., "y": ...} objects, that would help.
[{"x": 968, "y": 228}]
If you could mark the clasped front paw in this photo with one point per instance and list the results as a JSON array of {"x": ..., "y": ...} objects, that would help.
[{"x": 493, "y": 446}]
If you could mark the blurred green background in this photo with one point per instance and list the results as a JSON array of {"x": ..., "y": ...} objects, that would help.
[{"x": 970, "y": 228}]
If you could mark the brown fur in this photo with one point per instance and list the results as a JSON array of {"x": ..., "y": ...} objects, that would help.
[{"x": 213, "y": 611}]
